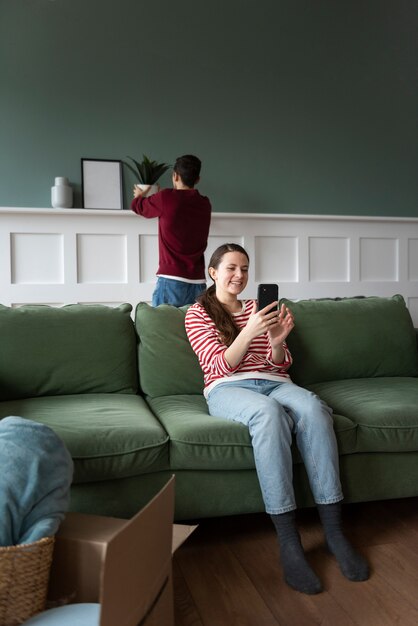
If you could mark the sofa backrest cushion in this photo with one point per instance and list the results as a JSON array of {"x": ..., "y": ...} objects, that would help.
[
  {"x": 46, "y": 351},
  {"x": 167, "y": 364},
  {"x": 351, "y": 338}
]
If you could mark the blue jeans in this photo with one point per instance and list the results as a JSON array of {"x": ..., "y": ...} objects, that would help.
[
  {"x": 176, "y": 292},
  {"x": 273, "y": 412}
]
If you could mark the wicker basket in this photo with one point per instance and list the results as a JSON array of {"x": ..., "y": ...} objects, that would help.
[{"x": 24, "y": 575}]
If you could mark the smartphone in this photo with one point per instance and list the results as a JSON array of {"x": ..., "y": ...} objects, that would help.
[{"x": 266, "y": 294}]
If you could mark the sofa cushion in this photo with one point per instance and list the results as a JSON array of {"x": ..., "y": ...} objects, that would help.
[
  {"x": 203, "y": 442},
  {"x": 384, "y": 410},
  {"x": 108, "y": 435},
  {"x": 73, "y": 349},
  {"x": 167, "y": 363},
  {"x": 351, "y": 338}
]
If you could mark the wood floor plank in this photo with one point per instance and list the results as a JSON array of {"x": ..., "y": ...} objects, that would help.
[
  {"x": 229, "y": 572},
  {"x": 260, "y": 559},
  {"x": 398, "y": 565},
  {"x": 221, "y": 588},
  {"x": 373, "y": 523},
  {"x": 406, "y": 512},
  {"x": 374, "y": 602},
  {"x": 185, "y": 611}
]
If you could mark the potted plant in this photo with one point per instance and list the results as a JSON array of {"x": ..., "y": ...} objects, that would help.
[{"x": 148, "y": 173}]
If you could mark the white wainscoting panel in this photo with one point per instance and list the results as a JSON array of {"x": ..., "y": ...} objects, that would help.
[
  {"x": 413, "y": 259},
  {"x": 102, "y": 258},
  {"x": 379, "y": 259},
  {"x": 62, "y": 256},
  {"x": 36, "y": 258},
  {"x": 329, "y": 259},
  {"x": 276, "y": 259},
  {"x": 148, "y": 248}
]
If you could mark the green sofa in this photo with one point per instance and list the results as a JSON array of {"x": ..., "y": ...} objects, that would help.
[{"x": 126, "y": 397}]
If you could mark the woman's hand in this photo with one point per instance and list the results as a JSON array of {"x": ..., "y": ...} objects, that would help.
[
  {"x": 277, "y": 323},
  {"x": 261, "y": 321},
  {"x": 258, "y": 324},
  {"x": 280, "y": 327}
]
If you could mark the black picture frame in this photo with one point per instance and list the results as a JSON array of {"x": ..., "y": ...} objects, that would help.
[{"x": 101, "y": 184}]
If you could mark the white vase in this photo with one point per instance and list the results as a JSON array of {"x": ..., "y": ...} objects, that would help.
[
  {"x": 61, "y": 194},
  {"x": 151, "y": 191}
]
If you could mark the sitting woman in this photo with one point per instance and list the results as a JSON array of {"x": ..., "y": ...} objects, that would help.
[{"x": 245, "y": 360}]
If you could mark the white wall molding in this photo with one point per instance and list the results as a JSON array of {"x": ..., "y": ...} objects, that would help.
[{"x": 61, "y": 256}]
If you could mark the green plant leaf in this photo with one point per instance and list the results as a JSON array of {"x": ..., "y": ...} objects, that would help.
[
  {"x": 160, "y": 170},
  {"x": 133, "y": 170},
  {"x": 137, "y": 171},
  {"x": 147, "y": 171}
]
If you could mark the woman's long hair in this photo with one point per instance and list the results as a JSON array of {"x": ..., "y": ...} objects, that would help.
[{"x": 222, "y": 318}]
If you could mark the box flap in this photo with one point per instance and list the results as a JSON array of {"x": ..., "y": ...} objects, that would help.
[
  {"x": 180, "y": 534},
  {"x": 136, "y": 570}
]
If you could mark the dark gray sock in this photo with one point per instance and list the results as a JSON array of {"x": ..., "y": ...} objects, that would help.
[
  {"x": 352, "y": 564},
  {"x": 297, "y": 572}
]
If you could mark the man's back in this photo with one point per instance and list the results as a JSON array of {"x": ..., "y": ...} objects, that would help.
[{"x": 183, "y": 227}]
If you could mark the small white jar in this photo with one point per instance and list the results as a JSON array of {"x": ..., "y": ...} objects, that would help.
[{"x": 61, "y": 194}]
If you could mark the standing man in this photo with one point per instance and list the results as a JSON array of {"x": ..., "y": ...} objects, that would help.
[{"x": 183, "y": 228}]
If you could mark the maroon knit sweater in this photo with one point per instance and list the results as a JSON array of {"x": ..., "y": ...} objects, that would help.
[{"x": 183, "y": 227}]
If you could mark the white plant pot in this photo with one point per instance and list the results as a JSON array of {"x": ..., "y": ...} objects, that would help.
[{"x": 152, "y": 189}]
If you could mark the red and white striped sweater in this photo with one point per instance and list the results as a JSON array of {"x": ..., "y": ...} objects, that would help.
[{"x": 205, "y": 341}]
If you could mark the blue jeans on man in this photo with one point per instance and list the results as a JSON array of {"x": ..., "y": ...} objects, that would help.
[{"x": 176, "y": 292}]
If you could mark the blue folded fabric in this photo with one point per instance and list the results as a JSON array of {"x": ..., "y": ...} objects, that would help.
[
  {"x": 36, "y": 471},
  {"x": 87, "y": 614}
]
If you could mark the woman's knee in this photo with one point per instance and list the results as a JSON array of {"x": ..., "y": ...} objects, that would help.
[
  {"x": 312, "y": 410},
  {"x": 319, "y": 416},
  {"x": 270, "y": 415},
  {"x": 317, "y": 405}
]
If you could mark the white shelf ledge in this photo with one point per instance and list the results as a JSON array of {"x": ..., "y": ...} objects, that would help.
[{"x": 217, "y": 215}]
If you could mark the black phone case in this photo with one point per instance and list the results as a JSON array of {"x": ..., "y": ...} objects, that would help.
[{"x": 266, "y": 294}]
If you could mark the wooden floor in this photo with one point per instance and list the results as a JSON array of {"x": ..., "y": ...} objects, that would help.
[{"x": 227, "y": 573}]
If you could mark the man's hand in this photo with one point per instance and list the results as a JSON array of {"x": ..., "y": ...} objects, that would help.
[{"x": 139, "y": 193}]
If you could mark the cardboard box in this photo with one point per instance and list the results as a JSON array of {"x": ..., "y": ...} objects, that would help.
[{"x": 123, "y": 564}]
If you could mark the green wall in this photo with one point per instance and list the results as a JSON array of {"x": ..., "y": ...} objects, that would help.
[{"x": 294, "y": 106}]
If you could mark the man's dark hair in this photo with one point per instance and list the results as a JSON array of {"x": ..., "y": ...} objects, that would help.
[{"x": 188, "y": 168}]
